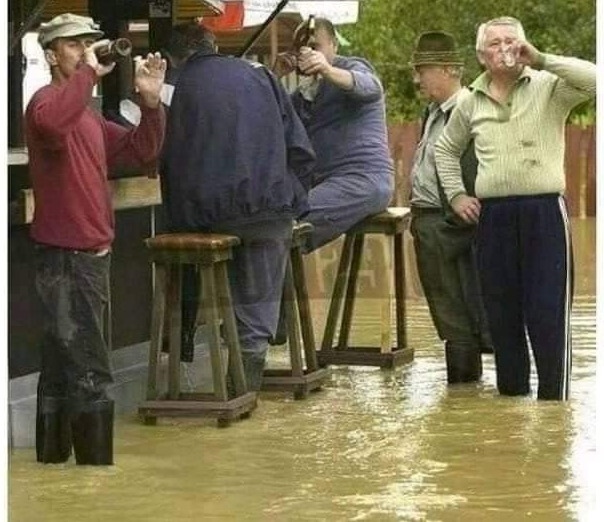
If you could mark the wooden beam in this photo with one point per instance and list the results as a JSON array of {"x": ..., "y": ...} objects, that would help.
[
  {"x": 274, "y": 39},
  {"x": 32, "y": 19},
  {"x": 138, "y": 192}
]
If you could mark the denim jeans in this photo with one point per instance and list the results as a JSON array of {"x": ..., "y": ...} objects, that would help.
[{"x": 73, "y": 287}]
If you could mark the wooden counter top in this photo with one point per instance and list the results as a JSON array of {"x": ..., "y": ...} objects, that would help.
[{"x": 138, "y": 192}]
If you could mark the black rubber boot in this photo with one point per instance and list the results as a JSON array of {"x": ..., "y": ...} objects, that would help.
[
  {"x": 53, "y": 430},
  {"x": 254, "y": 371},
  {"x": 92, "y": 432},
  {"x": 464, "y": 363}
]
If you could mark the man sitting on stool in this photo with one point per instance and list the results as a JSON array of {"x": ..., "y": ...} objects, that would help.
[{"x": 237, "y": 161}]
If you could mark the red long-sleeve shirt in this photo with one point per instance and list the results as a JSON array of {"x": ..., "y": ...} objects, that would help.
[{"x": 71, "y": 148}]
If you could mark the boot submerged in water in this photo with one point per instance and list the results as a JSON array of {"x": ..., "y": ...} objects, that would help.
[
  {"x": 53, "y": 430},
  {"x": 464, "y": 363},
  {"x": 92, "y": 432}
]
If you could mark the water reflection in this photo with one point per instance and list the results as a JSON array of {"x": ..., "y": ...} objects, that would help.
[{"x": 374, "y": 445}]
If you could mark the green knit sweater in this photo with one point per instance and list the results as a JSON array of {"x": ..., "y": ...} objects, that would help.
[{"x": 519, "y": 143}]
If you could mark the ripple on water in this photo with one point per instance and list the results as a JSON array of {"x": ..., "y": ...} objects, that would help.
[{"x": 372, "y": 445}]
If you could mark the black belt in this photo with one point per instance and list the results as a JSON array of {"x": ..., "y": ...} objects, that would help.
[
  {"x": 99, "y": 252},
  {"x": 422, "y": 211}
]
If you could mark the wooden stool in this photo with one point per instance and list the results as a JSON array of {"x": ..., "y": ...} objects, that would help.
[
  {"x": 298, "y": 320},
  {"x": 392, "y": 223},
  {"x": 210, "y": 252}
]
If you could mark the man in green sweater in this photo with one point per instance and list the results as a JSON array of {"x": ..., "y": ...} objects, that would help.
[{"x": 516, "y": 114}]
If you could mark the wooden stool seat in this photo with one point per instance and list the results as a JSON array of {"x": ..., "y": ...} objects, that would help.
[
  {"x": 299, "y": 379},
  {"x": 189, "y": 248},
  {"x": 391, "y": 223},
  {"x": 211, "y": 253},
  {"x": 190, "y": 241}
]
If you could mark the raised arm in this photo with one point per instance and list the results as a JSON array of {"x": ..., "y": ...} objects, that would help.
[
  {"x": 54, "y": 115},
  {"x": 358, "y": 78},
  {"x": 576, "y": 79},
  {"x": 140, "y": 146}
]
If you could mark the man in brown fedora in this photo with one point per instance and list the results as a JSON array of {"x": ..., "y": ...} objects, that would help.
[{"x": 444, "y": 245}]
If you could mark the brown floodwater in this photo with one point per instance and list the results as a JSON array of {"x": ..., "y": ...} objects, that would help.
[{"x": 372, "y": 445}]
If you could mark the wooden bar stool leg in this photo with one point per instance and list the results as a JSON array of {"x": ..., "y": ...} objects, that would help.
[
  {"x": 301, "y": 291},
  {"x": 175, "y": 311},
  {"x": 157, "y": 329},
  {"x": 200, "y": 318},
  {"x": 355, "y": 265},
  {"x": 211, "y": 310},
  {"x": 338, "y": 294},
  {"x": 293, "y": 328},
  {"x": 235, "y": 363},
  {"x": 399, "y": 289}
]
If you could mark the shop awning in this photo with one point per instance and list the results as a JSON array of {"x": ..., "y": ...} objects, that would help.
[
  {"x": 183, "y": 8},
  {"x": 236, "y": 14}
]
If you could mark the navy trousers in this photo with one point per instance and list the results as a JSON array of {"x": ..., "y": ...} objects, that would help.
[{"x": 525, "y": 266}]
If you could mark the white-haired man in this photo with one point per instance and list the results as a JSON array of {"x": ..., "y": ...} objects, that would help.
[{"x": 516, "y": 115}]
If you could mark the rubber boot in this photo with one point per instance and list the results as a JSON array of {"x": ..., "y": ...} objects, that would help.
[
  {"x": 92, "y": 432},
  {"x": 464, "y": 363},
  {"x": 254, "y": 371},
  {"x": 53, "y": 431}
]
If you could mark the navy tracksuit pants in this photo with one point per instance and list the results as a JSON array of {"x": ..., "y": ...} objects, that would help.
[{"x": 525, "y": 266}]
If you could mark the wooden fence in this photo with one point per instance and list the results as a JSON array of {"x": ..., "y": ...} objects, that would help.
[{"x": 580, "y": 165}]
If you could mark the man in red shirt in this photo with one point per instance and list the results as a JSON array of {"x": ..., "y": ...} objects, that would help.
[{"x": 71, "y": 149}]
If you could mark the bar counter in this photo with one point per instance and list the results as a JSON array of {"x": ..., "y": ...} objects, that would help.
[{"x": 137, "y": 216}]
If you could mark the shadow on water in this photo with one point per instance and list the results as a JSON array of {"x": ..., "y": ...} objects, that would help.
[{"x": 373, "y": 445}]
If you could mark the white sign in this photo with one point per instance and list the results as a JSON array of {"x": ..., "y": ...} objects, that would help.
[{"x": 338, "y": 11}]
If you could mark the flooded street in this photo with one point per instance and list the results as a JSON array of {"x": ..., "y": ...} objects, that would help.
[{"x": 375, "y": 445}]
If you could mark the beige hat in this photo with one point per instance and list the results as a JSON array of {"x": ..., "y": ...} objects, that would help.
[{"x": 67, "y": 25}]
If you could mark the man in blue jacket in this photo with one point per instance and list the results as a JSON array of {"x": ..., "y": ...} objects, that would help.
[
  {"x": 341, "y": 103},
  {"x": 237, "y": 160}
]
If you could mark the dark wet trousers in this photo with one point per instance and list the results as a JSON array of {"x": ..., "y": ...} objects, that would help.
[
  {"x": 449, "y": 279},
  {"x": 256, "y": 275},
  {"x": 73, "y": 409},
  {"x": 525, "y": 265}
]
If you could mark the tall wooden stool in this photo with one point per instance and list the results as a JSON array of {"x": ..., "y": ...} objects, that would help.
[
  {"x": 391, "y": 223},
  {"x": 298, "y": 379},
  {"x": 211, "y": 253}
]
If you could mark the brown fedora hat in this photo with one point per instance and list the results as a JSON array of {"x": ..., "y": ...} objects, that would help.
[{"x": 436, "y": 48}]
